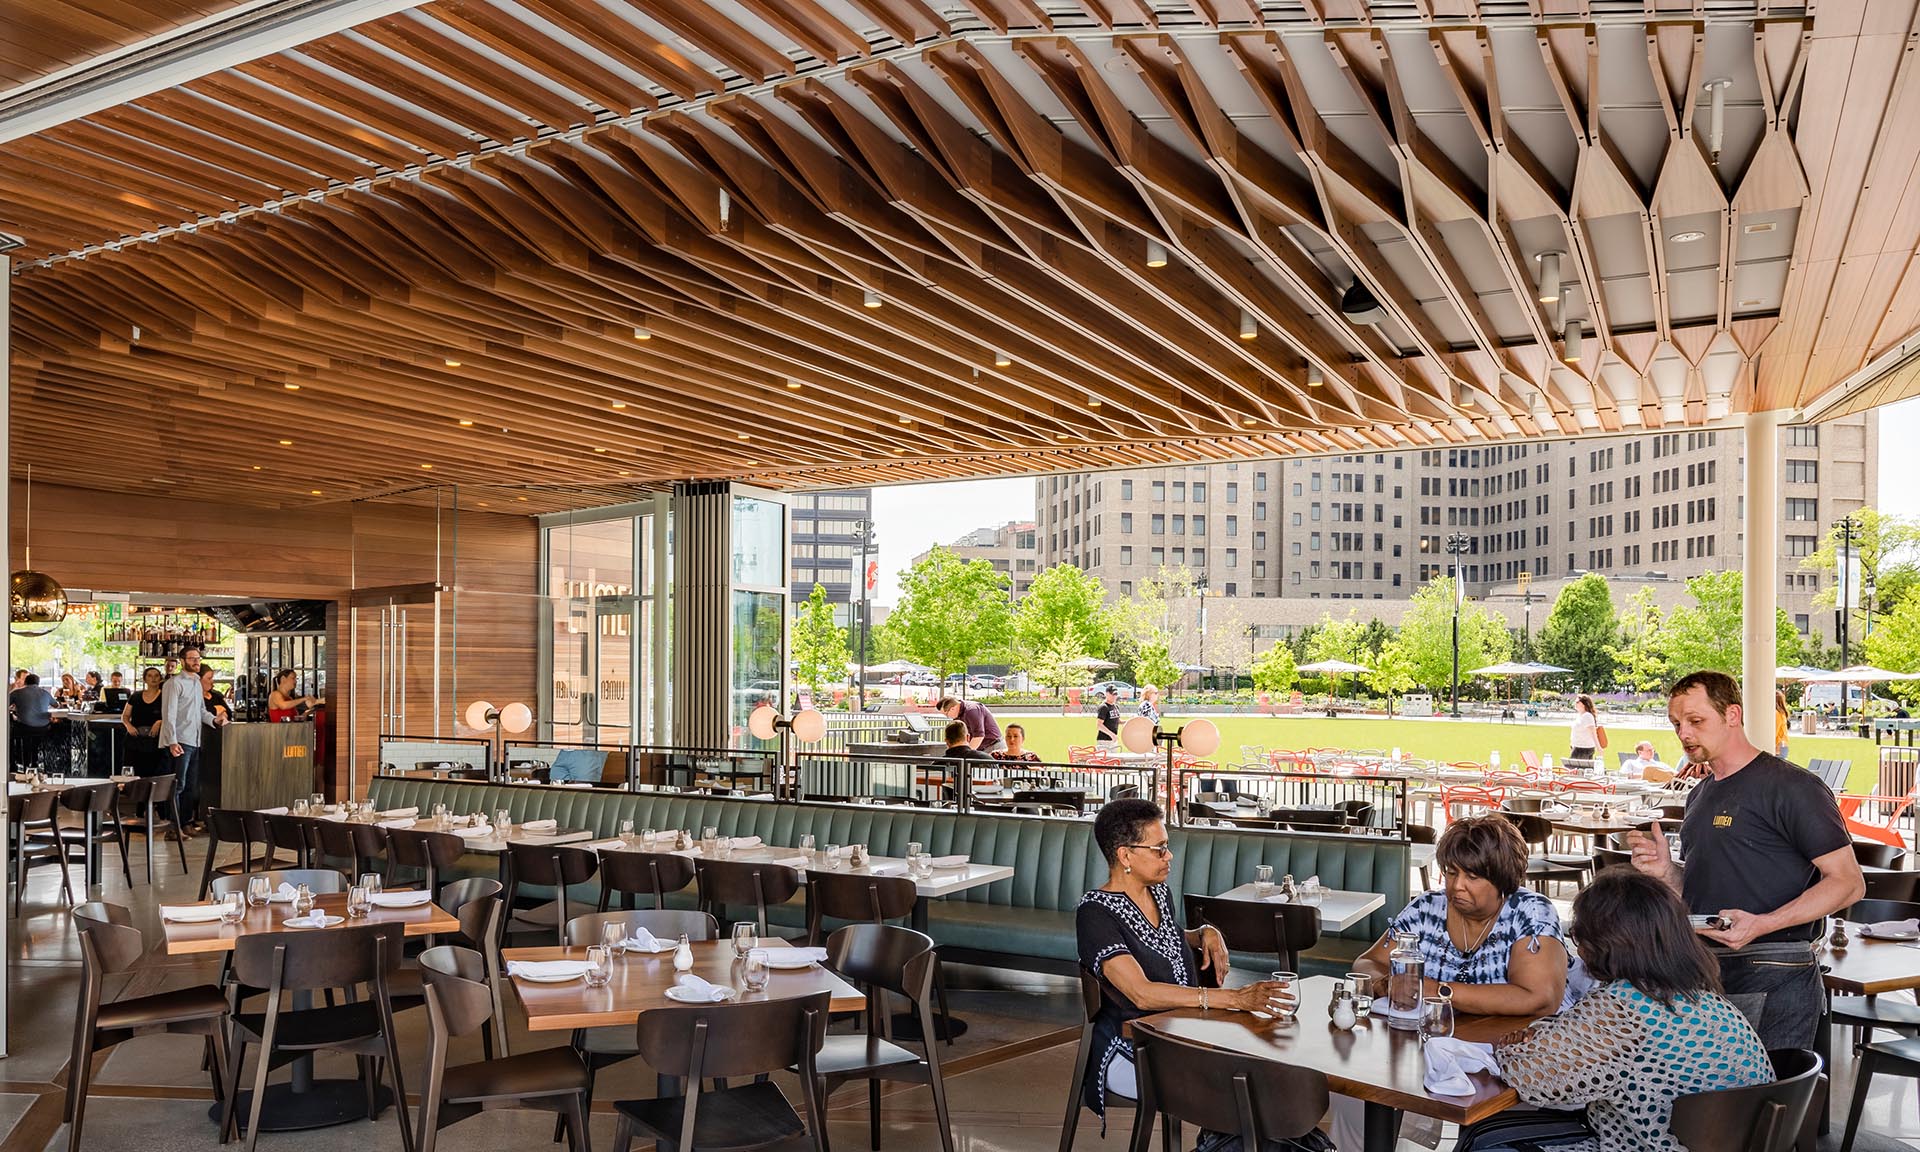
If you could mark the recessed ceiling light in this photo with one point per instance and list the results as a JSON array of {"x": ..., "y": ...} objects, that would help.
[
  {"x": 291, "y": 386},
  {"x": 286, "y": 443},
  {"x": 640, "y": 332},
  {"x": 1094, "y": 403},
  {"x": 619, "y": 404},
  {"x": 484, "y": 504},
  {"x": 599, "y": 449},
  {"x": 906, "y": 419},
  {"x": 1248, "y": 421},
  {"x": 899, "y": 451},
  {"x": 1059, "y": 435},
  {"x": 256, "y": 467},
  {"x": 1001, "y": 359},
  {"x": 794, "y": 385},
  {"x": 428, "y": 467},
  {"x": 314, "y": 492},
  {"x": 522, "y": 499},
  {"x": 745, "y": 436},
  {"x": 871, "y": 299},
  {"x": 624, "y": 472},
  {"x": 466, "y": 423},
  {"x": 453, "y": 363},
  {"x": 1687, "y": 237}
]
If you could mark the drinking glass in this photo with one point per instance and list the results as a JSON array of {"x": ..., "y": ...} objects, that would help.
[
  {"x": 626, "y": 831},
  {"x": 257, "y": 890},
  {"x": 317, "y": 801},
  {"x": 1361, "y": 987},
  {"x": 372, "y": 882},
  {"x": 599, "y": 965},
  {"x": 754, "y": 970},
  {"x": 613, "y": 936},
  {"x": 1290, "y": 984},
  {"x": 710, "y": 834},
  {"x": 1262, "y": 879},
  {"x": 744, "y": 938},
  {"x": 913, "y": 848},
  {"x": 1312, "y": 894},
  {"x": 834, "y": 855},
  {"x": 440, "y": 815},
  {"x": 58, "y": 779},
  {"x": 300, "y": 806},
  {"x": 807, "y": 843},
  {"x": 233, "y": 907},
  {"x": 357, "y": 903},
  {"x": 648, "y": 834},
  {"x": 302, "y": 901},
  {"x": 1439, "y": 1019}
]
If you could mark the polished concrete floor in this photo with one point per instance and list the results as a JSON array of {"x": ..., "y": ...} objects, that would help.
[{"x": 1006, "y": 1079}]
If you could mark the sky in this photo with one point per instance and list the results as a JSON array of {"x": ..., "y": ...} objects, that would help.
[{"x": 912, "y": 518}]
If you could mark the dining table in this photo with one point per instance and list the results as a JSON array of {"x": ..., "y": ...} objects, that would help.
[
  {"x": 1381, "y": 1066},
  {"x": 303, "y": 1101},
  {"x": 17, "y": 785},
  {"x": 1866, "y": 967},
  {"x": 1339, "y": 909}
]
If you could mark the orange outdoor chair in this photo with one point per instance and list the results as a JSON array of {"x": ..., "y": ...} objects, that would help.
[
  {"x": 1601, "y": 786},
  {"x": 1469, "y": 797},
  {"x": 1892, "y": 807},
  {"x": 1468, "y": 766},
  {"x": 1508, "y": 780},
  {"x": 1531, "y": 759},
  {"x": 1079, "y": 753}
]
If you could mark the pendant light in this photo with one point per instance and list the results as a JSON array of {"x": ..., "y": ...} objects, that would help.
[{"x": 39, "y": 603}]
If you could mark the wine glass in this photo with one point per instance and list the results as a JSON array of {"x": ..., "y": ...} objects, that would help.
[
  {"x": 357, "y": 903},
  {"x": 626, "y": 831},
  {"x": 257, "y": 890},
  {"x": 233, "y": 908},
  {"x": 807, "y": 843},
  {"x": 599, "y": 965},
  {"x": 744, "y": 938},
  {"x": 754, "y": 970},
  {"x": 372, "y": 882},
  {"x": 317, "y": 802}
]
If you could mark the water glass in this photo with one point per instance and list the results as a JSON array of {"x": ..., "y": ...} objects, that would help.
[
  {"x": 753, "y": 970},
  {"x": 317, "y": 801},
  {"x": 1360, "y": 986},
  {"x": 807, "y": 843},
  {"x": 613, "y": 936},
  {"x": 1290, "y": 984},
  {"x": 358, "y": 904},
  {"x": 440, "y": 815},
  {"x": 1439, "y": 1018},
  {"x": 1262, "y": 879},
  {"x": 710, "y": 834},
  {"x": 835, "y": 854},
  {"x": 300, "y": 807},
  {"x": 913, "y": 848},
  {"x": 626, "y": 831},
  {"x": 744, "y": 938},
  {"x": 648, "y": 834},
  {"x": 599, "y": 965},
  {"x": 1312, "y": 894},
  {"x": 233, "y": 908},
  {"x": 372, "y": 882},
  {"x": 257, "y": 891},
  {"x": 920, "y": 864}
]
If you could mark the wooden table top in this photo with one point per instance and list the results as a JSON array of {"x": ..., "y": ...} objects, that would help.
[
  {"x": 942, "y": 882},
  {"x": 1374, "y": 1062},
  {"x": 1592, "y": 824},
  {"x": 640, "y": 984},
  {"x": 182, "y": 939},
  {"x": 1870, "y": 967},
  {"x": 17, "y": 788}
]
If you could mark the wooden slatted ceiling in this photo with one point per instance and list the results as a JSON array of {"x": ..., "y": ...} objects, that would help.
[
  {"x": 471, "y": 207},
  {"x": 41, "y": 37}
]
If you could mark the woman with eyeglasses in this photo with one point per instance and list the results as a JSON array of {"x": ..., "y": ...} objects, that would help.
[{"x": 1131, "y": 939}]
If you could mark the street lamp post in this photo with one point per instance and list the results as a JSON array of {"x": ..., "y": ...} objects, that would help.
[
  {"x": 1848, "y": 527},
  {"x": 1456, "y": 545},
  {"x": 862, "y": 536}
]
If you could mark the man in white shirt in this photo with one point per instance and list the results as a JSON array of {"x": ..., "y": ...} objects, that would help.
[
  {"x": 183, "y": 711},
  {"x": 1643, "y": 758}
]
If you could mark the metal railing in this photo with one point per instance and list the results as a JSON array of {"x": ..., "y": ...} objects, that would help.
[
  {"x": 847, "y": 729},
  {"x": 1300, "y": 801}
]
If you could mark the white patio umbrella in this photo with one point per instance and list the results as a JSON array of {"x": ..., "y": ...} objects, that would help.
[
  {"x": 1091, "y": 662},
  {"x": 893, "y": 666},
  {"x": 1332, "y": 668},
  {"x": 1510, "y": 668},
  {"x": 1792, "y": 672},
  {"x": 1860, "y": 674}
]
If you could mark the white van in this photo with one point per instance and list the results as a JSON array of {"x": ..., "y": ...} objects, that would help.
[{"x": 1824, "y": 696}]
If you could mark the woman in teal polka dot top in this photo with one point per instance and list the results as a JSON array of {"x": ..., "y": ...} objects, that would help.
[{"x": 1654, "y": 1028}]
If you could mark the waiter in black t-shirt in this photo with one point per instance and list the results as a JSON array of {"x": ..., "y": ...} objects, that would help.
[
  {"x": 1764, "y": 846},
  {"x": 1107, "y": 717}
]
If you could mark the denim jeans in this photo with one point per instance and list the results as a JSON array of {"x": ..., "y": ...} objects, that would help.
[
  {"x": 1777, "y": 987},
  {"x": 186, "y": 774}
]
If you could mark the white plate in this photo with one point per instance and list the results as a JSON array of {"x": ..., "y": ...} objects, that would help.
[
  {"x": 325, "y": 922},
  {"x": 561, "y": 978},
  {"x": 195, "y": 915},
  {"x": 786, "y": 959},
  {"x": 690, "y": 996},
  {"x": 661, "y": 949}
]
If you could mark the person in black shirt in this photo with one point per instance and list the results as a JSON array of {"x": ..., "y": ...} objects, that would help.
[
  {"x": 216, "y": 699},
  {"x": 957, "y": 746},
  {"x": 1764, "y": 846},
  {"x": 1107, "y": 718}
]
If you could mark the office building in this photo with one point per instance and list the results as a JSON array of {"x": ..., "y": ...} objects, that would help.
[
  {"x": 825, "y": 543},
  {"x": 1011, "y": 548}
]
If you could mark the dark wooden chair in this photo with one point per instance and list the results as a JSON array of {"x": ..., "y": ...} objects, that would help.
[
  {"x": 1543, "y": 866},
  {"x": 27, "y": 814},
  {"x": 1310, "y": 819},
  {"x": 342, "y": 958},
  {"x": 737, "y": 882},
  {"x": 427, "y": 853},
  {"x": 109, "y": 945},
  {"x": 1764, "y": 1118},
  {"x": 1259, "y": 1100},
  {"x": 547, "y": 866},
  {"x": 228, "y": 826},
  {"x": 882, "y": 958},
  {"x": 149, "y": 808},
  {"x": 702, "y": 1043},
  {"x": 1279, "y": 930},
  {"x": 1090, "y": 998},
  {"x": 297, "y": 835},
  {"x": 1423, "y": 834},
  {"x": 98, "y": 808},
  {"x": 1893, "y": 886},
  {"x": 460, "y": 999},
  {"x": 478, "y": 905},
  {"x": 1872, "y": 855},
  {"x": 323, "y": 881},
  {"x": 849, "y": 896},
  {"x": 633, "y": 874},
  {"x": 1526, "y": 805}
]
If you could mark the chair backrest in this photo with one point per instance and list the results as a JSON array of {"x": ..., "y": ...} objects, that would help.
[
  {"x": 1529, "y": 805},
  {"x": 1091, "y": 995},
  {"x": 1872, "y": 855},
  {"x": 1280, "y": 930},
  {"x": 1874, "y": 911},
  {"x": 744, "y": 1038},
  {"x": 322, "y": 880},
  {"x": 725, "y": 882},
  {"x": 1535, "y": 830},
  {"x": 117, "y": 945},
  {"x": 1320, "y": 818},
  {"x": 336, "y": 839},
  {"x": 632, "y": 873},
  {"x": 1221, "y": 1091},
  {"x": 295, "y": 833},
  {"x": 34, "y": 807},
  {"x": 1760, "y": 1118},
  {"x": 461, "y": 893},
  {"x": 97, "y": 799},
  {"x": 433, "y": 851},
  {"x": 227, "y": 825},
  {"x": 551, "y": 864},
  {"x": 138, "y": 792},
  {"x": 1612, "y": 857},
  {"x": 307, "y": 961},
  {"x": 664, "y": 923},
  {"x": 846, "y": 896},
  {"x": 1893, "y": 886},
  {"x": 457, "y": 990},
  {"x": 883, "y": 956}
]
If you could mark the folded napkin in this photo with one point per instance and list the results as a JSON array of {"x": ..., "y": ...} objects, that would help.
[
  {"x": 401, "y": 822},
  {"x": 1449, "y": 1061},
  {"x": 400, "y": 813},
  {"x": 794, "y": 957},
  {"x": 950, "y": 861},
  {"x": 402, "y": 899},
  {"x": 605, "y": 845},
  {"x": 792, "y": 862},
  {"x": 336, "y": 816},
  {"x": 280, "y": 811},
  {"x": 645, "y": 941},
  {"x": 744, "y": 842},
  {"x": 698, "y": 988},
  {"x": 475, "y": 832},
  {"x": 190, "y": 913},
  {"x": 539, "y": 825},
  {"x": 546, "y": 967},
  {"x": 283, "y": 894},
  {"x": 576, "y": 784},
  {"x": 1894, "y": 927},
  {"x": 885, "y": 871},
  {"x": 313, "y": 919}
]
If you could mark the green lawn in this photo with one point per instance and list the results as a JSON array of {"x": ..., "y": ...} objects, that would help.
[{"x": 1437, "y": 739}]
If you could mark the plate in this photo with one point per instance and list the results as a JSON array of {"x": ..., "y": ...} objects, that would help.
[
  {"x": 325, "y": 922},
  {"x": 195, "y": 915},
  {"x": 689, "y": 996},
  {"x": 786, "y": 960},
  {"x": 554, "y": 979},
  {"x": 661, "y": 949}
]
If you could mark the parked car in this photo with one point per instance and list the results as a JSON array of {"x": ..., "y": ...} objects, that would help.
[
  {"x": 985, "y": 683},
  {"x": 1126, "y": 690}
]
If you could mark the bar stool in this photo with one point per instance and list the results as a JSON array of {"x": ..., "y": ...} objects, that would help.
[
  {"x": 29, "y": 813},
  {"x": 633, "y": 873}
]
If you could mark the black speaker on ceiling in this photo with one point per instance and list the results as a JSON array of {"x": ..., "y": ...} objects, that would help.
[{"x": 1358, "y": 305}]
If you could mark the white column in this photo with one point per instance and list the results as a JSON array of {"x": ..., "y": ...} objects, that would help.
[
  {"x": 1759, "y": 573},
  {"x": 6, "y": 538}
]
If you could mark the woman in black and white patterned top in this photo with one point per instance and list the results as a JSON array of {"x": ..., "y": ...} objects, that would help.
[{"x": 1130, "y": 938}]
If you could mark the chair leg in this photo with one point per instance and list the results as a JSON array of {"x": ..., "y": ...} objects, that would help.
[
  {"x": 1862, "y": 1080},
  {"x": 578, "y": 1138},
  {"x": 622, "y": 1134},
  {"x": 937, "y": 1085},
  {"x": 873, "y": 1114},
  {"x": 79, "y": 1079},
  {"x": 179, "y": 836},
  {"x": 262, "y": 1066},
  {"x": 230, "y": 1108},
  {"x": 219, "y": 1043},
  {"x": 206, "y": 872},
  {"x": 944, "y": 1021},
  {"x": 393, "y": 1070},
  {"x": 120, "y": 835}
]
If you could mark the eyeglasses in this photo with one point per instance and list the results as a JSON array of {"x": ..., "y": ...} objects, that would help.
[{"x": 1164, "y": 851}]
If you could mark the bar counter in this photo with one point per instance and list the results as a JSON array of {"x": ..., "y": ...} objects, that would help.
[{"x": 257, "y": 764}]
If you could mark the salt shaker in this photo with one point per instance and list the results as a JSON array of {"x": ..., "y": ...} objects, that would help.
[
  {"x": 683, "y": 955},
  {"x": 1343, "y": 1017}
]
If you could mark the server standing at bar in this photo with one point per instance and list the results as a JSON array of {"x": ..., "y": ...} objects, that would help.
[{"x": 183, "y": 712}]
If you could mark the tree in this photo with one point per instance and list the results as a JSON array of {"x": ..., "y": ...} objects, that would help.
[
  {"x": 1338, "y": 640},
  {"x": 1895, "y": 645},
  {"x": 1392, "y": 672},
  {"x": 1226, "y": 639},
  {"x": 1637, "y": 658},
  {"x": 1156, "y": 615},
  {"x": 1273, "y": 670},
  {"x": 1426, "y": 634},
  {"x": 1581, "y": 631},
  {"x": 819, "y": 645},
  {"x": 1154, "y": 665},
  {"x": 1062, "y": 618},
  {"x": 1707, "y": 635},
  {"x": 1888, "y": 547},
  {"x": 951, "y": 613}
]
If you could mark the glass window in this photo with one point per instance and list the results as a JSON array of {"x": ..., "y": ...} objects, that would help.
[
  {"x": 1159, "y": 489},
  {"x": 1803, "y": 508},
  {"x": 1159, "y": 524},
  {"x": 759, "y": 656},
  {"x": 1259, "y": 481},
  {"x": 1233, "y": 492},
  {"x": 759, "y": 543},
  {"x": 1126, "y": 489},
  {"x": 1199, "y": 525},
  {"x": 1199, "y": 492}
]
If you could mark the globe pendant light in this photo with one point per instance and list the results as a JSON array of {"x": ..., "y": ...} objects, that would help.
[{"x": 39, "y": 603}]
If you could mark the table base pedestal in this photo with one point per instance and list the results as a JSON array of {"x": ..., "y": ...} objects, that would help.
[
  {"x": 906, "y": 1026},
  {"x": 324, "y": 1105}
]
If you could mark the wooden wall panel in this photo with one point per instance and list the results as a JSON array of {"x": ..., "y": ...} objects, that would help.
[{"x": 159, "y": 545}]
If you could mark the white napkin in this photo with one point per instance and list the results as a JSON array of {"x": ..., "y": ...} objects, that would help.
[
  {"x": 792, "y": 862},
  {"x": 888, "y": 871},
  {"x": 476, "y": 832},
  {"x": 950, "y": 861},
  {"x": 744, "y": 842},
  {"x": 645, "y": 941},
  {"x": 1449, "y": 1061},
  {"x": 576, "y": 784},
  {"x": 402, "y": 822},
  {"x": 663, "y": 834},
  {"x": 403, "y": 899},
  {"x": 283, "y": 894},
  {"x": 1894, "y": 927},
  {"x": 697, "y": 987},
  {"x": 794, "y": 957},
  {"x": 190, "y": 913},
  {"x": 335, "y": 816},
  {"x": 539, "y": 825},
  {"x": 546, "y": 967},
  {"x": 605, "y": 845},
  {"x": 400, "y": 813},
  {"x": 313, "y": 919},
  {"x": 280, "y": 811}
]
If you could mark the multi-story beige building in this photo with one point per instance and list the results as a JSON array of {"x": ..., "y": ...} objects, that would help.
[
  {"x": 1009, "y": 547},
  {"x": 1375, "y": 526}
]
